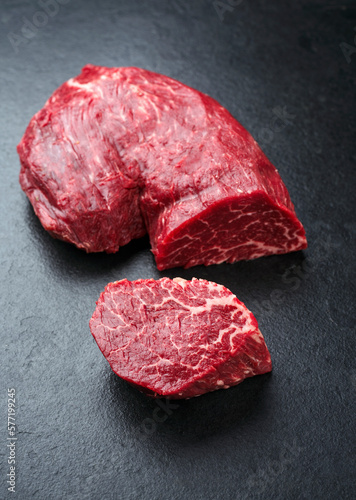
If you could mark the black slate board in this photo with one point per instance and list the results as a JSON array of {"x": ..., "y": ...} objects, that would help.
[{"x": 82, "y": 433}]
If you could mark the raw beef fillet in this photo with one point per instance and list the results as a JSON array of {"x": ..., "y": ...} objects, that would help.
[
  {"x": 118, "y": 152},
  {"x": 178, "y": 338}
]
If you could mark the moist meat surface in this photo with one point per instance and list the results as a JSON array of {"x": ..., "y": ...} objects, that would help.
[
  {"x": 178, "y": 338},
  {"x": 118, "y": 152}
]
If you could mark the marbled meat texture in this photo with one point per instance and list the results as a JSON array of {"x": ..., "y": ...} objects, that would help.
[
  {"x": 119, "y": 152},
  {"x": 178, "y": 338}
]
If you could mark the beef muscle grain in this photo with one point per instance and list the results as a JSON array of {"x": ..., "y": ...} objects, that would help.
[
  {"x": 118, "y": 152},
  {"x": 178, "y": 338}
]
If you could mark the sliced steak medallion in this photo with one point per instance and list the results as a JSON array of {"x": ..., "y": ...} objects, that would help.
[{"x": 178, "y": 338}]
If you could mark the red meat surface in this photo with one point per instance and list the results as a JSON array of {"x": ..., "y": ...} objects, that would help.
[
  {"x": 119, "y": 152},
  {"x": 178, "y": 338}
]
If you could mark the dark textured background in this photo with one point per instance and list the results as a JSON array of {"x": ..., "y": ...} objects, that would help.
[{"x": 82, "y": 432}]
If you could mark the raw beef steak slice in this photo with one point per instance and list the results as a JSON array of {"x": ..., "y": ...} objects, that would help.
[
  {"x": 178, "y": 338},
  {"x": 118, "y": 152}
]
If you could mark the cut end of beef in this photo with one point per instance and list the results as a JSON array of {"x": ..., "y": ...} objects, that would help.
[
  {"x": 116, "y": 153},
  {"x": 252, "y": 227},
  {"x": 178, "y": 338}
]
